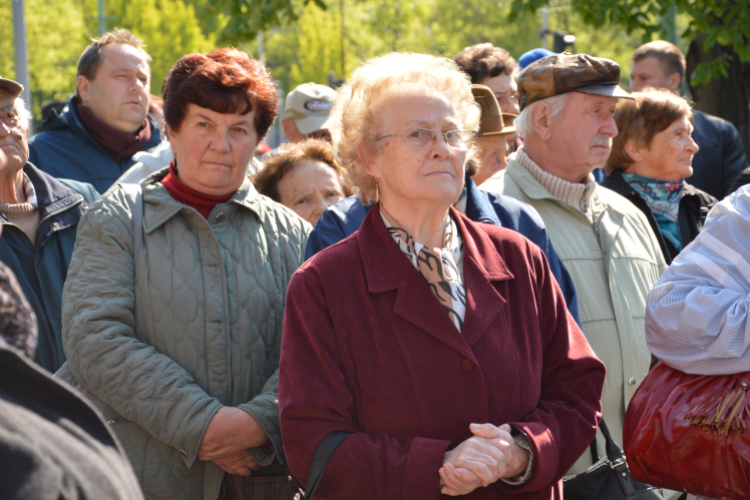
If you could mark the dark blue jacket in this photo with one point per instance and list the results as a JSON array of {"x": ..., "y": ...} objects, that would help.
[
  {"x": 41, "y": 268},
  {"x": 720, "y": 158},
  {"x": 345, "y": 217},
  {"x": 67, "y": 151}
]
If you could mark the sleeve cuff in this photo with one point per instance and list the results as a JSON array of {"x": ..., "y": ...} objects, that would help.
[{"x": 524, "y": 478}]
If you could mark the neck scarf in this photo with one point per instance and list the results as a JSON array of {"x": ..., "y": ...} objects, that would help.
[
  {"x": 203, "y": 203},
  {"x": 438, "y": 267},
  {"x": 115, "y": 142},
  {"x": 664, "y": 199}
]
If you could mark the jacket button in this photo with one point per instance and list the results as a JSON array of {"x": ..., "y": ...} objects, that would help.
[
  {"x": 631, "y": 381},
  {"x": 55, "y": 226},
  {"x": 467, "y": 365},
  {"x": 221, "y": 218},
  {"x": 184, "y": 453}
]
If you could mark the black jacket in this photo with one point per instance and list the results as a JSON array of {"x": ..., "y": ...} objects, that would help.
[
  {"x": 720, "y": 158},
  {"x": 694, "y": 207}
]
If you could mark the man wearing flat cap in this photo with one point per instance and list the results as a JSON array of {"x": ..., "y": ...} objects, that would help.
[
  {"x": 39, "y": 215},
  {"x": 567, "y": 102}
]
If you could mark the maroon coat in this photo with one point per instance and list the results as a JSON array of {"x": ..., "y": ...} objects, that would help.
[{"x": 367, "y": 348}]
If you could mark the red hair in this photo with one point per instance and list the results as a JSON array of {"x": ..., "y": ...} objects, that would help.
[{"x": 224, "y": 80}]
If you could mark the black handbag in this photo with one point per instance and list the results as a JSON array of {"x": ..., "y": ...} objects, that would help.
[
  {"x": 323, "y": 455},
  {"x": 609, "y": 478}
]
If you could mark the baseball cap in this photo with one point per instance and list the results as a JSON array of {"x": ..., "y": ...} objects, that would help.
[
  {"x": 566, "y": 72},
  {"x": 492, "y": 121},
  {"x": 309, "y": 105},
  {"x": 13, "y": 88},
  {"x": 533, "y": 55}
]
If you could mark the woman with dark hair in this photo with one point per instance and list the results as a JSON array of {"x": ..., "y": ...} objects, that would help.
[
  {"x": 174, "y": 300},
  {"x": 651, "y": 157},
  {"x": 305, "y": 177}
]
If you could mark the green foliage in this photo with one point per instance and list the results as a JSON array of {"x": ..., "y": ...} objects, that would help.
[
  {"x": 55, "y": 37},
  {"x": 723, "y": 22}
]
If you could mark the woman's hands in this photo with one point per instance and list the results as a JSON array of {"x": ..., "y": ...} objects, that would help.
[
  {"x": 481, "y": 460},
  {"x": 228, "y": 436}
]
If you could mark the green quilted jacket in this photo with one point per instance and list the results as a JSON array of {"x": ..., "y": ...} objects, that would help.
[{"x": 198, "y": 328}]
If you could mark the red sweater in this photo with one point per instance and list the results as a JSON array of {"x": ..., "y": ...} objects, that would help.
[{"x": 190, "y": 197}]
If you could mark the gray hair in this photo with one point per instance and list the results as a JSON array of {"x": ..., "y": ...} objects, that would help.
[
  {"x": 24, "y": 115},
  {"x": 555, "y": 104}
]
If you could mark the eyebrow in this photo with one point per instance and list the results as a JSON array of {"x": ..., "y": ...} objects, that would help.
[
  {"x": 427, "y": 123},
  {"x": 241, "y": 122}
]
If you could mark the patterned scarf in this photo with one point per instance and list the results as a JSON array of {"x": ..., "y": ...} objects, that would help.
[
  {"x": 664, "y": 199},
  {"x": 438, "y": 267}
]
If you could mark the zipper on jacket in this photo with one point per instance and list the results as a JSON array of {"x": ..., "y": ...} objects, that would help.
[{"x": 58, "y": 212}]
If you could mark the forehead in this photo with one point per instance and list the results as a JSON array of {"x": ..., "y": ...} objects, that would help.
[
  {"x": 414, "y": 104},
  {"x": 650, "y": 64},
  {"x": 196, "y": 112},
  {"x": 593, "y": 100},
  {"x": 500, "y": 84},
  {"x": 120, "y": 55}
]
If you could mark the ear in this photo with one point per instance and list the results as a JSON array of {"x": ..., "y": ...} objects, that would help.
[
  {"x": 674, "y": 82},
  {"x": 540, "y": 121},
  {"x": 368, "y": 160},
  {"x": 634, "y": 150},
  {"x": 84, "y": 86},
  {"x": 171, "y": 137}
]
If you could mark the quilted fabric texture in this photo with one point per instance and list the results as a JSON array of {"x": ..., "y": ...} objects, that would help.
[{"x": 199, "y": 327}]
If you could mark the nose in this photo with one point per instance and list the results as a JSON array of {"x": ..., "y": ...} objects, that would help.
[
  {"x": 220, "y": 141},
  {"x": 440, "y": 147},
  {"x": 610, "y": 127},
  {"x": 319, "y": 206},
  {"x": 692, "y": 146},
  {"x": 513, "y": 109},
  {"x": 5, "y": 130}
]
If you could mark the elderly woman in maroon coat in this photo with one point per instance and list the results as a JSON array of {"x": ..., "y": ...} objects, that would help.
[{"x": 442, "y": 346}]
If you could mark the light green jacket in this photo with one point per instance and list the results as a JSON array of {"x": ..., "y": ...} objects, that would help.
[
  {"x": 198, "y": 328},
  {"x": 613, "y": 262}
]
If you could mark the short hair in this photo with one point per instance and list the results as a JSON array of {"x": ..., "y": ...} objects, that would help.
[
  {"x": 670, "y": 57},
  {"x": 640, "y": 119},
  {"x": 91, "y": 58},
  {"x": 484, "y": 60},
  {"x": 289, "y": 156},
  {"x": 224, "y": 80},
  {"x": 556, "y": 104},
  {"x": 354, "y": 120}
]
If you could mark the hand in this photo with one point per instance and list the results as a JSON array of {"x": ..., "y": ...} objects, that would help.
[
  {"x": 231, "y": 432},
  {"x": 475, "y": 462},
  {"x": 516, "y": 458},
  {"x": 241, "y": 464}
]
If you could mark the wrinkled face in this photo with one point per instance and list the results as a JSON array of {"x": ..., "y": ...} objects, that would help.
[
  {"x": 506, "y": 91},
  {"x": 492, "y": 156},
  {"x": 309, "y": 188},
  {"x": 670, "y": 155},
  {"x": 119, "y": 93},
  {"x": 13, "y": 135},
  {"x": 213, "y": 150},
  {"x": 649, "y": 72},
  {"x": 581, "y": 134},
  {"x": 433, "y": 174}
]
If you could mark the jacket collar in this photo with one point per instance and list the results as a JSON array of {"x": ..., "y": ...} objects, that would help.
[
  {"x": 166, "y": 207},
  {"x": 69, "y": 118},
  {"x": 478, "y": 206},
  {"x": 60, "y": 206},
  {"x": 387, "y": 269}
]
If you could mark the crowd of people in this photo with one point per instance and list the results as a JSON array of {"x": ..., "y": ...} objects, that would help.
[{"x": 453, "y": 271}]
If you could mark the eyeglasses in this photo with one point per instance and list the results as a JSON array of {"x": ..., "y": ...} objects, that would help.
[{"x": 418, "y": 138}]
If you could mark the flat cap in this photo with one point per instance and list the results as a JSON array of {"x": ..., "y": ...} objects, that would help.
[
  {"x": 566, "y": 72},
  {"x": 11, "y": 87}
]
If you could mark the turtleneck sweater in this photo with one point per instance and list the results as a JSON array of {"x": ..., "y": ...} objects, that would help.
[
  {"x": 24, "y": 215},
  {"x": 203, "y": 203},
  {"x": 575, "y": 195}
]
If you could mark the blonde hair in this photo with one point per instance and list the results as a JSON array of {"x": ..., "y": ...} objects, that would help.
[{"x": 354, "y": 120}]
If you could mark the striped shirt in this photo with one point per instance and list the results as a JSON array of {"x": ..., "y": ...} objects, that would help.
[{"x": 697, "y": 314}]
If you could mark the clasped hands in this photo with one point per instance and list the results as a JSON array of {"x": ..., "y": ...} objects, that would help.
[
  {"x": 491, "y": 454},
  {"x": 226, "y": 441}
]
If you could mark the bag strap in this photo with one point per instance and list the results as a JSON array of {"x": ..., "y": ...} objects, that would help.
[
  {"x": 323, "y": 455},
  {"x": 134, "y": 197},
  {"x": 614, "y": 452}
]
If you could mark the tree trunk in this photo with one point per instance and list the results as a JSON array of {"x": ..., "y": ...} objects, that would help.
[{"x": 728, "y": 98}]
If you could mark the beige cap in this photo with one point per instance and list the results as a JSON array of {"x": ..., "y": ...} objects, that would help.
[
  {"x": 309, "y": 105},
  {"x": 13, "y": 88}
]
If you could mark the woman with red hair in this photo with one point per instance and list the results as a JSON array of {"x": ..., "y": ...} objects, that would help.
[{"x": 174, "y": 300}]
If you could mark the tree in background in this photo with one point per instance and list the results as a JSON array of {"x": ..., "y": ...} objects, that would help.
[{"x": 56, "y": 35}]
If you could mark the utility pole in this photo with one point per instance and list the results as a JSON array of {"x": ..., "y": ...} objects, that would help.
[
  {"x": 343, "y": 56},
  {"x": 19, "y": 42},
  {"x": 261, "y": 48},
  {"x": 102, "y": 18},
  {"x": 545, "y": 27}
]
